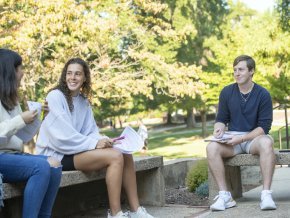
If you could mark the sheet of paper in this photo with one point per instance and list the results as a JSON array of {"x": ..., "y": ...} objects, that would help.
[
  {"x": 30, "y": 130},
  {"x": 226, "y": 137},
  {"x": 131, "y": 143},
  {"x": 3, "y": 140},
  {"x": 32, "y": 105}
]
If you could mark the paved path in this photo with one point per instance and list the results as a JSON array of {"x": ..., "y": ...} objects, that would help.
[{"x": 247, "y": 207}]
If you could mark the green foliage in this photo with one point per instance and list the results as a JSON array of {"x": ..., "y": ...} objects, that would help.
[
  {"x": 283, "y": 8},
  {"x": 197, "y": 175},
  {"x": 202, "y": 189}
]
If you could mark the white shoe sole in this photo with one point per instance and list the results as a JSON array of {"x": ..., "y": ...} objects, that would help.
[
  {"x": 272, "y": 207},
  {"x": 228, "y": 205}
]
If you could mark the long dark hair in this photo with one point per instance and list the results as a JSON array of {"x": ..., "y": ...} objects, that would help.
[
  {"x": 9, "y": 61},
  {"x": 86, "y": 87}
]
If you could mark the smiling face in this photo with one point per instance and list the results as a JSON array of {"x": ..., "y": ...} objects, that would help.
[
  {"x": 242, "y": 74},
  {"x": 75, "y": 77}
]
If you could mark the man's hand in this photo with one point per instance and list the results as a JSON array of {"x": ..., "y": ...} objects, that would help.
[
  {"x": 219, "y": 130},
  {"x": 29, "y": 116},
  {"x": 218, "y": 133},
  {"x": 236, "y": 139},
  {"x": 104, "y": 143}
]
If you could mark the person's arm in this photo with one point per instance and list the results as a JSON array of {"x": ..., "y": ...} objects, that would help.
[
  {"x": 237, "y": 139},
  {"x": 265, "y": 112},
  {"x": 10, "y": 127},
  {"x": 222, "y": 116}
]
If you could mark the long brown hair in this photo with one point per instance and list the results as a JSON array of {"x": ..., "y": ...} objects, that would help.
[
  {"x": 86, "y": 87},
  {"x": 9, "y": 61}
]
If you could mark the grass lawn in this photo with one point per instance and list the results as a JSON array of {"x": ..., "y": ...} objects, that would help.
[{"x": 173, "y": 143}]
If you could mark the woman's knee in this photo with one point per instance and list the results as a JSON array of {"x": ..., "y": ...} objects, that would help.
[
  {"x": 42, "y": 167},
  {"x": 53, "y": 162},
  {"x": 117, "y": 157}
]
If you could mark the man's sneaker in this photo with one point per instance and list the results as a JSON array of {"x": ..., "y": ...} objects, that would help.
[
  {"x": 224, "y": 201},
  {"x": 267, "y": 202},
  {"x": 120, "y": 214},
  {"x": 140, "y": 213}
]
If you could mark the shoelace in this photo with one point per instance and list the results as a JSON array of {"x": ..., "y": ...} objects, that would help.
[
  {"x": 218, "y": 196},
  {"x": 126, "y": 214}
]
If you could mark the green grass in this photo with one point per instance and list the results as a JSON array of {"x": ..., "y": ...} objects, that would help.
[
  {"x": 274, "y": 133},
  {"x": 174, "y": 143}
]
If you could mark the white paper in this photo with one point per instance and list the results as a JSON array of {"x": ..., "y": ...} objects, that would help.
[
  {"x": 226, "y": 137},
  {"x": 3, "y": 140},
  {"x": 30, "y": 130},
  {"x": 131, "y": 143},
  {"x": 32, "y": 105}
]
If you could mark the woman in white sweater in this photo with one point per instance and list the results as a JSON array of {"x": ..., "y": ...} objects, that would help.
[
  {"x": 70, "y": 134},
  {"x": 42, "y": 174}
]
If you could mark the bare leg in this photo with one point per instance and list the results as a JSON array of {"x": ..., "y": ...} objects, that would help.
[
  {"x": 215, "y": 154},
  {"x": 105, "y": 158},
  {"x": 129, "y": 182},
  {"x": 263, "y": 146}
]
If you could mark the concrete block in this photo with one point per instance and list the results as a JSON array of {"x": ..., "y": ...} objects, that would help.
[{"x": 175, "y": 171}]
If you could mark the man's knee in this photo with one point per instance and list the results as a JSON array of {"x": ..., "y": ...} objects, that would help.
[
  {"x": 212, "y": 148},
  {"x": 265, "y": 144},
  {"x": 53, "y": 162}
]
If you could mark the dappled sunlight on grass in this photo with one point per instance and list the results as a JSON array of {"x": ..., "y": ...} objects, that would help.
[
  {"x": 180, "y": 148},
  {"x": 173, "y": 143}
]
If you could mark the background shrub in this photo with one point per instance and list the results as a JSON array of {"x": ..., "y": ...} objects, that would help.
[
  {"x": 202, "y": 190},
  {"x": 197, "y": 175}
]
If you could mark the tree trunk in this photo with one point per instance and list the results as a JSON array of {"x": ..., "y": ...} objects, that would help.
[
  {"x": 190, "y": 118},
  {"x": 169, "y": 117},
  {"x": 120, "y": 122},
  {"x": 203, "y": 123}
]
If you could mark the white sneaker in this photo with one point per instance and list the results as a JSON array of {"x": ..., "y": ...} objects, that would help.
[
  {"x": 224, "y": 201},
  {"x": 120, "y": 214},
  {"x": 140, "y": 213},
  {"x": 267, "y": 202}
]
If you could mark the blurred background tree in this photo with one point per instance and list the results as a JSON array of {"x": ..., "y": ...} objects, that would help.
[{"x": 145, "y": 55}]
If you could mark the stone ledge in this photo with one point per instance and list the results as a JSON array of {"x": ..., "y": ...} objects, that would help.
[
  {"x": 253, "y": 160},
  {"x": 77, "y": 177}
]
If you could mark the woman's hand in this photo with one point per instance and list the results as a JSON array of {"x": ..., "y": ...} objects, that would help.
[
  {"x": 104, "y": 143},
  {"x": 29, "y": 116},
  {"x": 45, "y": 109}
]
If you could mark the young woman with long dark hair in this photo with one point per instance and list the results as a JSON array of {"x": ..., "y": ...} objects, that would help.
[{"x": 42, "y": 174}]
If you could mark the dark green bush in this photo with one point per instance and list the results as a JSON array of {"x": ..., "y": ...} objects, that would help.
[
  {"x": 202, "y": 190},
  {"x": 197, "y": 175}
]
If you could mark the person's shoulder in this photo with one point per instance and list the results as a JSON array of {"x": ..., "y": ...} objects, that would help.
[
  {"x": 262, "y": 90},
  {"x": 55, "y": 94},
  {"x": 229, "y": 88}
]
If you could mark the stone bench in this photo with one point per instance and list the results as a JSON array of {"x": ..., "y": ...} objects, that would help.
[
  {"x": 233, "y": 172},
  {"x": 80, "y": 191}
]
